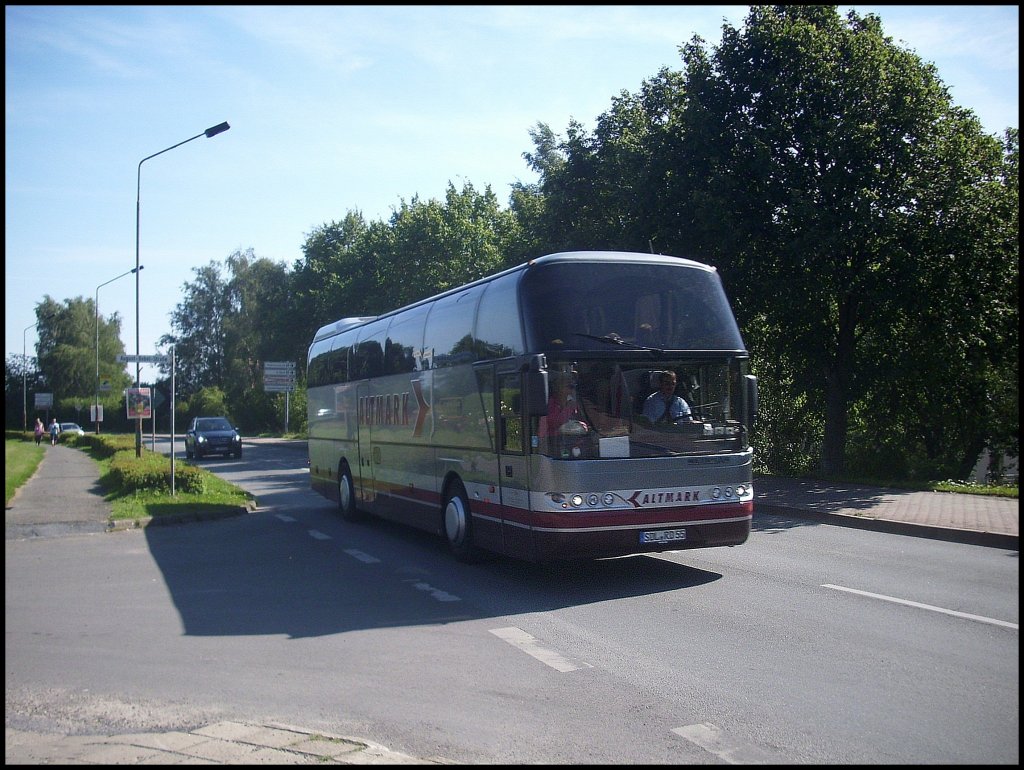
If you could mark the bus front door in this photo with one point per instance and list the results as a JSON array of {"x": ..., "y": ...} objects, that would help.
[
  {"x": 363, "y": 479},
  {"x": 513, "y": 469}
]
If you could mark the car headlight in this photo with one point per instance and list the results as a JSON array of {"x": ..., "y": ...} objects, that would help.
[{"x": 201, "y": 439}]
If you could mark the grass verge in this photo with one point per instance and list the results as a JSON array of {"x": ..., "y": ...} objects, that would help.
[
  {"x": 203, "y": 494},
  {"x": 21, "y": 458}
]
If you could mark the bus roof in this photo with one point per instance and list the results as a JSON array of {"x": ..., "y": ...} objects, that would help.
[
  {"x": 339, "y": 326},
  {"x": 563, "y": 256}
]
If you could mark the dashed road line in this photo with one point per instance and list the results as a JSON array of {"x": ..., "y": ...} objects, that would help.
[
  {"x": 317, "y": 534},
  {"x": 363, "y": 557},
  {"x": 437, "y": 593},
  {"x": 528, "y": 644},
  {"x": 712, "y": 739}
]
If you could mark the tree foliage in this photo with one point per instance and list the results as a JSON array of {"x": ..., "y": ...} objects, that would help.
[{"x": 866, "y": 230}]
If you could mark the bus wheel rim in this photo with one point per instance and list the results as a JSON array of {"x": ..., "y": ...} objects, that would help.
[
  {"x": 455, "y": 520},
  {"x": 344, "y": 492}
]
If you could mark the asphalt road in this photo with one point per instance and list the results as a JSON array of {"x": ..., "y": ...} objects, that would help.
[{"x": 808, "y": 644}]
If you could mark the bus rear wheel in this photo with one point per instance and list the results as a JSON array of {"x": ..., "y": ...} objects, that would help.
[
  {"x": 347, "y": 494},
  {"x": 458, "y": 525}
]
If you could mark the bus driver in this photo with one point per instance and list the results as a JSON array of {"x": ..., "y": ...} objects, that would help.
[{"x": 663, "y": 405}]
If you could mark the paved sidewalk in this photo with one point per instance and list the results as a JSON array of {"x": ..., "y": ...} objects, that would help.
[
  {"x": 64, "y": 498},
  {"x": 221, "y": 743},
  {"x": 971, "y": 519}
]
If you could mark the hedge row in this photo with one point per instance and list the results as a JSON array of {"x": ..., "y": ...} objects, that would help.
[{"x": 153, "y": 472}]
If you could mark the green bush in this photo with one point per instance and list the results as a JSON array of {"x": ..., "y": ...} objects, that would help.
[
  {"x": 153, "y": 472},
  {"x": 106, "y": 444}
]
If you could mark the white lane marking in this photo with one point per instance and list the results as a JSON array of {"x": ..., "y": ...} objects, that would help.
[
  {"x": 363, "y": 557},
  {"x": 528, "y": 644},
  {"x": 319, "y": 535},
  {"x": 954, "y": 613},
  {"x": 437, "y": 593},
  {"x": 286, "y": 517},
  {"x": 710, "y": 738}
]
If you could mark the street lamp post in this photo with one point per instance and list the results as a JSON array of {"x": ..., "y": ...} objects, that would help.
[
  {"x": 96, "y": 415},
  {"x": 210, "y": 132},
  {"x": 24, "y": 371}
]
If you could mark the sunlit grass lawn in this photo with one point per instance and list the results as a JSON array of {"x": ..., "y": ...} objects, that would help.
[{"x": 21, "y": 458}]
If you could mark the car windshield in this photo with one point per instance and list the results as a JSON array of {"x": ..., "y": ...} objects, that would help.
[
  {"x": 216, "y": 423},
  {"x": 69, "y": 426}
]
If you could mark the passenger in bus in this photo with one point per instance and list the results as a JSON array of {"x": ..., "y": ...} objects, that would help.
[
  {"x": 604, "y": 396},
  {"x": 664, "y": 406},
  {"x": 563, "y": 409}
]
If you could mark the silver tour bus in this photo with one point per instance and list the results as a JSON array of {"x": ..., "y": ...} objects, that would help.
[{"x": 524, "y": 414}]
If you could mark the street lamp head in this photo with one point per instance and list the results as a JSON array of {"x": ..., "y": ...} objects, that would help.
[{"x": 220, "y": 128}]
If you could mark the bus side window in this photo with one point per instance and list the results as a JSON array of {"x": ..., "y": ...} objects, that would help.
[{"x": 510, "y": 403}]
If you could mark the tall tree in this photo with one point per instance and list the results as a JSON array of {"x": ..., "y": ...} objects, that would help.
[
  {"x": 829, "y": 150},
  {"x": 200, "y": 333},
  {"x": 328, "y": 270},
  {"x": 68, "y": 352},
  {"x": 438, "y": 245}
]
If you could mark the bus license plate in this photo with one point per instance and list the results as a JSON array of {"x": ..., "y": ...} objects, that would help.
[{"x": 662, "y": 535}]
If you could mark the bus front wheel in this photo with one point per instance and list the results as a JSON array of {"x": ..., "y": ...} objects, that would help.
[
  {"x": 458, "y": 527},
  {"x": 347, "y": 494}
]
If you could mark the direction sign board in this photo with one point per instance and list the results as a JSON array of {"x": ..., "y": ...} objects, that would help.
[
  {"x": 155, "y": 359},
  {"x": 278, "y": 376}
]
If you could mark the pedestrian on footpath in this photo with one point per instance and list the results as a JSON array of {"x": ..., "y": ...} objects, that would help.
[
  {"x": 39, "y": 431},
  {"x": 54, "y": 431}
]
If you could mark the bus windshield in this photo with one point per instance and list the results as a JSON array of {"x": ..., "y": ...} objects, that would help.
[{"x": 638, "y": 305}]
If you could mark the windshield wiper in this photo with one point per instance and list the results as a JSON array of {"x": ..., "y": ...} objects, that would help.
[{"x": 612, "y": 339}]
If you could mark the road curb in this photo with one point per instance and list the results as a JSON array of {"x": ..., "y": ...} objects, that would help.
[
  {"x": 947, "y": 534},
  {"x": 120, "y": 525}
]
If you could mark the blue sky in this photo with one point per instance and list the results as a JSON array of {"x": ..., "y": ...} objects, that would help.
[{"x": 332, "y": 109}]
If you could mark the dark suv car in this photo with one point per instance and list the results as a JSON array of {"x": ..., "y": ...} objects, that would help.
[{"x": 211, "y": 436}]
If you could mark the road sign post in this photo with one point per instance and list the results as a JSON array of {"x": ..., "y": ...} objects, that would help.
[{"x": 279, "y": 377}]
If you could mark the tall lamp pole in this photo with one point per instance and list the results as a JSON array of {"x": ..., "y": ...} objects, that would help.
[
  {"x": 24, "y": 371},
  {"x": 210, "y": 132},
  {"x": 96, "y": 415}
]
